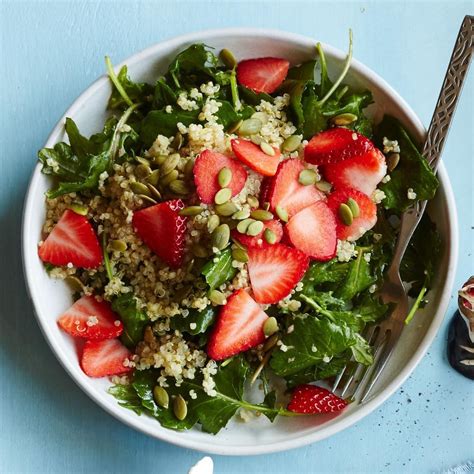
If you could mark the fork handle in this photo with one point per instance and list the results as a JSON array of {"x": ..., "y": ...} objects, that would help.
[{"x": 438, "y": 129}]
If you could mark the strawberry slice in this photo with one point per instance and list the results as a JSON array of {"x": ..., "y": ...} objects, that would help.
[
  {"x": 274, "y": 271},
  {"x": 288, "y": 193},
  {"x": 313, "y": 231},
  {"x": 334, "y": 145},
  {"x": 163, "y": 230},
  {"x": 262, "y": 74},
  {"x": 363, "y": 222},
  {"x": 104, "y": 357},
  {"x": 259, "y": 240},
  {"x": 207, "y": 167},
  {"x": 72, "y": 240},
  {"x": 91, "y": 319},
  {"x": 310, "y": 400},
  {"x": 239, "y": 327},
  {"x": 252, "y": 155}
]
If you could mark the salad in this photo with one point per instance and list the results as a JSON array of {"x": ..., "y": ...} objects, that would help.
[{"x": 226, "y": 233}]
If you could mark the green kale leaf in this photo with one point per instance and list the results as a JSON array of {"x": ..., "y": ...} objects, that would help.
[
  {"x": 201, "y": 319},
  {"x": 218, "y": 272},
  {"x": 137, "y": 92},
  {"x": 127, "y": 397}
]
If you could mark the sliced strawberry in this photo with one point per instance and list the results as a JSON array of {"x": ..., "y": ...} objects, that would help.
[
  {"x": 255, "y": 158},
  {"x": 310, "y": 400},
  {"x": 259, "y": 240},
  {"x": 265, "y": 188},
  {"x": 262, "y": 74},
  {"x": 91, "y": 319},
  {"x": 163, "y": 230},
  {"x": 104, "y": 357},
  {"x": 274, "y": 271},
  {"x": 334, "y": 145},
  {"x": 363, "y": 222},
  {"x": 286, "y": 190},
  {"x": 239, "y": 327},
  {"x": 313, "y": 231},
  {"x": 72, "y": 240},
  {"x": 207, "y": 167}
]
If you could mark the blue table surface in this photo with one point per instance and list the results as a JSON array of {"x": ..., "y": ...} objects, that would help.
[{"x": 50, "y": 52}]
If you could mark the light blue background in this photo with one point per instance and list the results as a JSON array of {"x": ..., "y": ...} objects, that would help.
[{"x": 50, "y": 52}]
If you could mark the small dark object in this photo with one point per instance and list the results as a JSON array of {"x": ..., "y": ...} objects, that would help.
[{"x": 458, "y": 340}]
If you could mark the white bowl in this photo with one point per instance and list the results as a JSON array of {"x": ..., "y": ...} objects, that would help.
[{"x": 51, "y": 297}]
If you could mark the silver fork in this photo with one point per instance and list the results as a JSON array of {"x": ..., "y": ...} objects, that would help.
[{"x": 359, "y": 380}]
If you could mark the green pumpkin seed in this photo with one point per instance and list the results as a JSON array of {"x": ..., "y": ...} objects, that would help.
[
  {"x": 191, "y": 211},
  {"x": 323, "y": 186},
  {"x": 217, "y": 297},
  {"x": 200, "y": 251},
  {"x": 223, "y": 195},
  {"x": 142, "y": 171},
  {"x": 118, "y": 245},
  {"x": 140, "y": 188},
  {"x": 256, "y": 139},
  {"x": 226, "y": 209},
  {"x": 224, "y": 177},
  {"x": 75, "y": 283},
  {"x": 178, "y": 141},
  {"x": 292, "y": 143},
  {"x": 270, "y": 326},
  {"x": 180, "y": 408},
  {"x": 345, "y": 214},
  {"x": 261, "y": 215},
  {"x": 240, "y": 255},
  {"x": 167, "y": 179},
  {"x": 170, "y": 164},
  {"x": 227, "y": 58},
  {"x": 242, "y": 214},
  {"x": 161, "y": 396},
  {"x": 146, "y": 199},
  {"x": 235, "y": 126},
  {"x": 392, "y": 161},
  {"x": 281, "y": 213},
  {"x": 255, "y": 228},
  {"x": 354, "y": 207},
  {"x": 270, "y": 343},
  {"x": 212, "y": 223},
  {"x": 188, "y": 168},
  {"x": 179, "y": 186},
  {"x": 270, "y": 236},
  {"x": 307, "y": 177},
  {"x": 159, "y": 159},
  {"x": 221, "y": 236},
  {"x": 153, "y": 177},
  {"x": 79, "y": 209},
  {"x": 344, "y": 119},
  {"x": 155, "y": 194},
  {"x": 242, "y": 226},
  {"x": 262, "y": 116},
  {"x": 267, "y": 149},
  {"x": 250, "y": 126},
  {"x": 252, "y": 201},
  {"x": 142, "y": 161}
]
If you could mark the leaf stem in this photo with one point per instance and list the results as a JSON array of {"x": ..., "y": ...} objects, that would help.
[
  {"x": 417, "y": 303},
  {"x": 234, "y": 90},
  {"x": 317, "y": 307},
  {"x": 113, "y": 149},
  {"x": 108, "y": 267},
  {"x": 113, "y": 77}
]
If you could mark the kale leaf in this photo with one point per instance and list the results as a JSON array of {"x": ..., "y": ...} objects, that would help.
[
  {"x": 202, "y": 319},
  {"x": 218, "y": 272},
  {"x": 127, "y": 397},
  {"x": 137, "y": 92}
]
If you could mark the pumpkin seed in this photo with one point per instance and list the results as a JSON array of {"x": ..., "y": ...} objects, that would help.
[
  {"x": 188, "y": 168},
  {"x": 159, "y": 159},
  {"x": 224, "y": 177},
  {"x": 267, "y": 149},
  {"x": 250, "y": 126},
  {"x": 292, "y": 143},
  {"x": 392, "y": 161},
  {"x": 260, "y": 367},
  {"x": 270, "y": 326},
  {"x": 240, "y": 255},
  {"x": 161, "y": 396},
  {"x": 269, "y": 236},
  {"x": 191, "y": 211},
  {"x": 223, "y": 195},
  {"x": 178, "y": 141},
  {"x": 256, "y": 139},
  {"x": 261, "y": 215},
  {"x": 307, "y": 177},
  {"x": 281, "y": 213},
  {"x": 118, "y": 245},
  {"x": 199, "y": 250},
  {"x": 242, "y": 214},
  {"x": 140, "y": 188},
  {"x": 226, "y": 209},
  {"x": 252, "y": 201},
  {"x": 235, "y": 126},
  {"x": 180, "y": 408},
  {"x": 170, "y": 164},
  {"x": 212, "y": 223},
  {"x": 270, "y": 342},
  {"x": 242, "y": 226},
  {"x": 141, "y": 160},
  {"x": 221, "y": 236},
  {"x": 323, "y": 186},
  {"x": 345, "y": 214},
  {"x": 354, "y": 207},
  {"x": 153, "y": 177},
  {"x": 75, "y": 283},
  {"x": 217, "y": 297},
  {"x": 344, "y": 119},
  {"x": 155, "y": 194},
  {"x": 262, "y": 116},
  {"x": 179, "y": 186},
  {"x": 255, "y": 228},
  {"x": 227, "y": 58},
  {"x": 167, "y": 179},
  {"x": 79, "y": 209},
  {"x": 142, "y": 171},
  {"x": 147, "y": 199}
]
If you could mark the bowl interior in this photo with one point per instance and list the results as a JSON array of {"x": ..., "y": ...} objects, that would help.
[{"x": 51, "y": 297}]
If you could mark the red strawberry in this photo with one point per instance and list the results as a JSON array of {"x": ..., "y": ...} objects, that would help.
[
  {"x": 91, "y": 319},
  {"x": 207, "y": 167},
  {"x": 104, "y": 357},
  {"x": 262, "y": 74},
  {"x": 163, "y": 230},
  {"x": 367, "y": 213},
  {"x": 286, "y": 190},
  {"x": 336, "y": 144},
  {"x": 310, "y": 399},
  {"x": 313, "y": 231},
  {"x": 255, "y": 158},
  {"x": 72, "y": 240},
  {"x": 239, "y": 327},
  {"x": 265, "y": 188},
  {"x": 259, "y": 240},
  {"x": 274, "y": 271}
]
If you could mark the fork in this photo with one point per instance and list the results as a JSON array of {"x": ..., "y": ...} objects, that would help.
[{"x": 358, "y": 380}]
